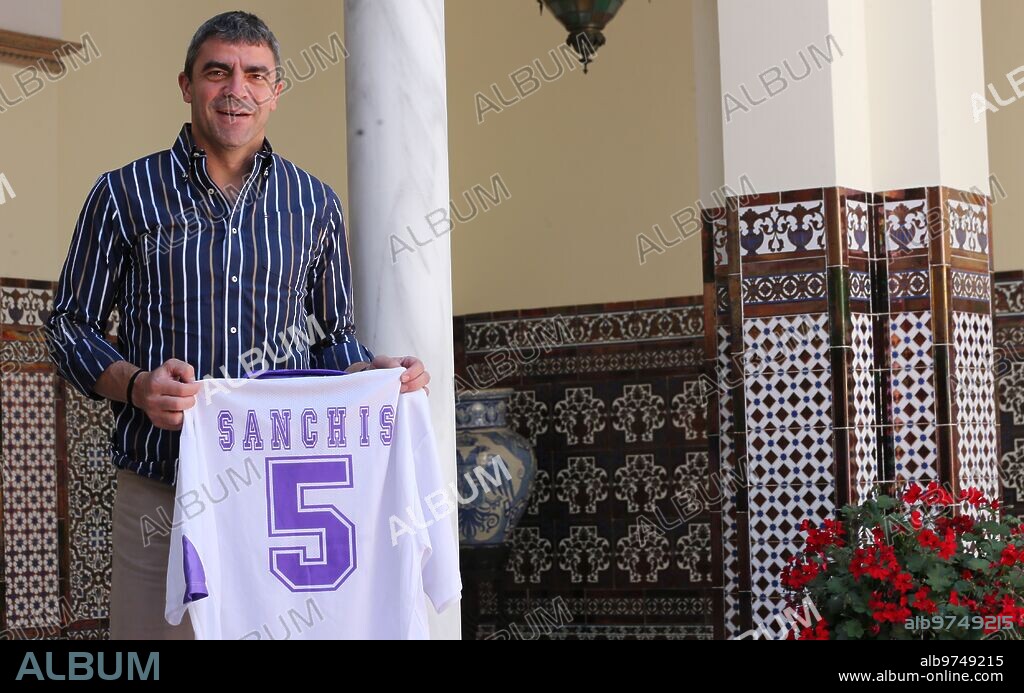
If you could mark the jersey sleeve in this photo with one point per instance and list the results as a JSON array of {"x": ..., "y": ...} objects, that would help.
[
  {"x": 186, "y": 574},
  {"x": 440, "y": 563}
]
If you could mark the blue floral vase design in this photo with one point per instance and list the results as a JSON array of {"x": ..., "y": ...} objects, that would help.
[{"x": 496, "y": 469}]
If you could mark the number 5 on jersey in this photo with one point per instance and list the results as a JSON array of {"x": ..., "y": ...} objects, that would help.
[{"x": 290, "y": 514}]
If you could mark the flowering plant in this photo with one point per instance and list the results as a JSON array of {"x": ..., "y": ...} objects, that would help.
[{"x": 919, "y": 566}]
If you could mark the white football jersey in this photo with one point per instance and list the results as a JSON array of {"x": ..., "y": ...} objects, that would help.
[{"x": 310, "y": 505}]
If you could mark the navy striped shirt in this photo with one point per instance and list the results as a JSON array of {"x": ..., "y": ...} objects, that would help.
[{"x": 264, "y": 282}]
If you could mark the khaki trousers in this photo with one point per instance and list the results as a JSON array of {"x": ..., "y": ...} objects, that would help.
[{"x": 139, "y": 581}]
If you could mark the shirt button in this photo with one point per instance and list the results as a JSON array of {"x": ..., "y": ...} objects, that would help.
[
  {"x": 211, "y": 191},
  {"x": 234, "y": 230},
  {"x": 234, "y": 279},
  {"x": 234, "y": 330}
]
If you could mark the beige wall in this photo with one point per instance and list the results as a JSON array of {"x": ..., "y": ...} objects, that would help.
[
  {"x": 31, "y": 225},
  {"x": 590, "y": 161},
  {"x": 1004, "y": 52}
]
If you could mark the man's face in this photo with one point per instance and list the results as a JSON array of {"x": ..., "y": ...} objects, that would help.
[{"x": 232, "y": 92}]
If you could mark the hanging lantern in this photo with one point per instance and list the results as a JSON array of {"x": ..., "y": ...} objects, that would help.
[{"x": 585, "y": 20}]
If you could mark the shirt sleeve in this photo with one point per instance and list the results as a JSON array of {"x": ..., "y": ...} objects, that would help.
[
  {"x": 442, "y": 581},
  {"x": 329, "y": 299},
  {"x": 88, "y": 286}
]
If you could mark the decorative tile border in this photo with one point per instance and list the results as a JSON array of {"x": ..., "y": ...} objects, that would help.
[
  {"x": 1009, "y": 294},
  {"x": 860, "y": 286},
  {"x": 973, "y": 286},
  {"x": 857, "y": 226},
  {"x": 784, "y": 288},
  {"x": 968, "y": 226},
  {"x": 24, "y": 306},
  {"x": 593, "y": 329},
  {"x": 911, "y": 284},
  {"x": 782, "y": 228},
  {"x": 720, "y": 233},
  {"x": 906, "y": 225}
]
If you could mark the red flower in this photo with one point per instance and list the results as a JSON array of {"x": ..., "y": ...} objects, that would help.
[
  {"x": 818, "y": 540},
  {"x": 922, "y": 602},
  {"x": 959, "y": 524},
  {"x": 974, "y": 496},
  {"x": 903, "y": 582},
  {"x": 796, "y": 575},
  {"x": 928, "y": 539},
  {"x": 936, "y": 495},
  {"x": 1016, "y": 613},
  {"x": 1009, "y": 556},
  {"x": 861, "y": 561},
  {"x": 913, "y": 493},
  {"x": 818, "y": 632},
  {"x": 883, "y": 611},
  {"x": 915, "y": 519},
  {"x": 948, "y": 547},
  {"x": 956, "y": 600}
]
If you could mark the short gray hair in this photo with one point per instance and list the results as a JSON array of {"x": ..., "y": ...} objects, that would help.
[{"x": 233, "y": 27}]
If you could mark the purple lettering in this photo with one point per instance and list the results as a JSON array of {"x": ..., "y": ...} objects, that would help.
[
  {"x": 227, "y": 436},
  {"x": 252, "y": 440}
]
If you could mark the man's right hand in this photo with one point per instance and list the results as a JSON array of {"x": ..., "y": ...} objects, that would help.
[{"x": 166, "y": 392}]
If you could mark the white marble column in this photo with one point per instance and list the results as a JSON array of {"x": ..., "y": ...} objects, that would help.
[{"x": 398, "y": 181}]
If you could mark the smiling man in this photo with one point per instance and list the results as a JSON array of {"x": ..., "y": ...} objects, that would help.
[{"x": 214, "y": 252}]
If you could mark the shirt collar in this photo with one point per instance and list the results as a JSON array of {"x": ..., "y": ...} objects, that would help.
[{"x": 186, "y": 150}]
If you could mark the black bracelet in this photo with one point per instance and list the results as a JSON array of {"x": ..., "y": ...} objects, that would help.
[{"x": 131, "y": 385}]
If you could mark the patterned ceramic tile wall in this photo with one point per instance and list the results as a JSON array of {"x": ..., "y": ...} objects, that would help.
[
  {"x": 611, "y": 397},
  {"x": 57, "y": 483}
]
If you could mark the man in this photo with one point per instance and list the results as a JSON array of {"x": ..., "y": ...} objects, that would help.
[{"x": 222, "y": 258}]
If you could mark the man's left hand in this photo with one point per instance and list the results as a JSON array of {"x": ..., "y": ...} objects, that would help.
[{"x": 415, "y": 376}]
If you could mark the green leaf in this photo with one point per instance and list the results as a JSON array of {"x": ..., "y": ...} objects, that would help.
[
  {"x": 916, "y": 562},
  {"x": 858, "y": 603},
  {"x": 978, "y": 564},
  {"x": 836, "y": 586},
  {"x": 962, "y": 586},
  {"x": 885, "y": 502},
  {"x": 852, "y": 629},
  {"x": 993, "y": 528},
  {"x": 940, "y": 578}
]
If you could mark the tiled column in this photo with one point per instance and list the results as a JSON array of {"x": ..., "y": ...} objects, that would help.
[{"x": 849, "y": 330}]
